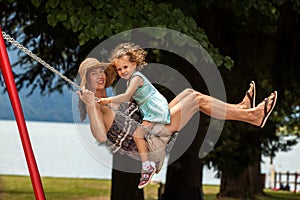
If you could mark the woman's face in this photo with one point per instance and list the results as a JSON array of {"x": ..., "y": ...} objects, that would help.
[
  {"x": 125, "y": 68},
  {"x": 96, "y": 79}
]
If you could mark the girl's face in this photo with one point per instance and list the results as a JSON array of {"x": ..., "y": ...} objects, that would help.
[
  {"x": 96, "y": 79},
  {"x": 125, "y": 68}
]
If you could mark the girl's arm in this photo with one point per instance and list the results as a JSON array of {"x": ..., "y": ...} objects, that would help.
[
  {"x": 135, "y": 82},
  {"x": 95, "y": 115}
]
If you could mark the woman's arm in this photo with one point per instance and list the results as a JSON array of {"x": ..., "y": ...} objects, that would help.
[
  {"x": 95, "y": 115},
  {"x": 135, "y": 82},
  {"x": 96, "y": 123}
]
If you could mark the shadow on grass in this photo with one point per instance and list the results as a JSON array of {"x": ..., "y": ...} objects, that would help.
[{"x": 279, "y": 195}]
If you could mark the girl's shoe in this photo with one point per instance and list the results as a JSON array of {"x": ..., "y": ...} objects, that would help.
[{"x": 146, "y": 176}]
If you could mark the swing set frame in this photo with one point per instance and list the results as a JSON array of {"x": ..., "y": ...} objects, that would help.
[{"x": 18, "y": 112}]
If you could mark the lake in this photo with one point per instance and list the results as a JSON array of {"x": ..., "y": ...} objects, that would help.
[{"x": 61, "y": 152}]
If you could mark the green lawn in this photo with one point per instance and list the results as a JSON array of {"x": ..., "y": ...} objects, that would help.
[
  {"x": 210, "y": 192},
  {"x": 20, "y": 188}
]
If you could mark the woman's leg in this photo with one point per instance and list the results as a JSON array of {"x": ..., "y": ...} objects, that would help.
[
  {"x": 193, "y": 101},
  {"x": 245, "y": 103}
]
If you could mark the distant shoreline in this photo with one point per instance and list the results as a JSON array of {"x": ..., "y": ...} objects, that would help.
[
  {"x": 58, "y": 145},
  {"x": 40, "y": 121}
]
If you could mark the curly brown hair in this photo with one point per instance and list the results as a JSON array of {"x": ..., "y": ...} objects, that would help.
[{"x": 135, "y": 52}]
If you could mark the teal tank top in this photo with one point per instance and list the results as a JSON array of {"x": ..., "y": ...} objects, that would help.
[{"x": 153, "y": 106}]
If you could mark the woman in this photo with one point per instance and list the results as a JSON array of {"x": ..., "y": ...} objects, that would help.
[{"x": 102, "y": 119}]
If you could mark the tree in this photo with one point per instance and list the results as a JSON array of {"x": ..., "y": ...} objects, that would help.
[
  {"x": 262, "y": 38},
  {"x": 63, "y": 33}
]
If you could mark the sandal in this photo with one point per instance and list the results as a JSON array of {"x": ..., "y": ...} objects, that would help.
[
  {"x": 252, "y": 98},
  {"x": 266, "y": 112}
]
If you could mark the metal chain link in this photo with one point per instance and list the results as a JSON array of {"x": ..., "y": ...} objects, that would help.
[
  {"x": 42, "y": 62},
  {"x": 38, "y": 59}
]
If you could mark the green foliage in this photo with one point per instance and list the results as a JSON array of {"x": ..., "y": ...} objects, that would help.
[
  {"x": 54, "y": 29},
  {"x": 244, "y": 9},
  {"x": 36, "y": 3},
  {"x": 104, "y": 20}
]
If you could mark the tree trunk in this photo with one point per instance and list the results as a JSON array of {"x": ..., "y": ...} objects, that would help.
[
  {"x": 257, "y": 180},
  {"x": 235, "y": 186},
  {"x": 180, "y": 185},
  {"x": 184, "y": 176},
  {"x": 124, "y": 184},
  {"x": 245, "y": 185}
]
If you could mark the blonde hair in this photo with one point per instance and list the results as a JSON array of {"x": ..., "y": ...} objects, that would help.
[{"x": 135, "y": 52}]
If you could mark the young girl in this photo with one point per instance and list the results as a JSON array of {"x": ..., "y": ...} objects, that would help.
[{"x": 128, "y": 60}]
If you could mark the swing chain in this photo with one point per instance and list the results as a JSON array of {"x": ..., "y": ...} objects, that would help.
[
  {"x": 37, "y": 58},
  {"x": 45, "y": 64}
]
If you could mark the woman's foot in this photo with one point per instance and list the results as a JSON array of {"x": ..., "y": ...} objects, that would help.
[
  {"x": 264, "y": 109},
  {"x": 249, "y": 99}
]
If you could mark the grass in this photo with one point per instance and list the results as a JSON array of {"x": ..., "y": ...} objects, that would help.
[
  {"x": 210, "y": 192},
  {"x": 20, "y": 188}
]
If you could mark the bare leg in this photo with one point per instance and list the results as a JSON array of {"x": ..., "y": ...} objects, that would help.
[
  {"x": 148, "y": 169},
  {"x": 182, "y": 108},
  {"x": 246, "y": 100},
  {"x": 141, "y": 144},
  {"x": 245, "y": 103},
  {"x": 193, "y": 101}
]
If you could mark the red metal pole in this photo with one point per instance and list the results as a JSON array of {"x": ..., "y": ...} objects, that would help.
[{"x": 15, "y": 101}]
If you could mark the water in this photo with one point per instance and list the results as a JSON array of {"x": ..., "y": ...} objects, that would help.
[{"x": 59, "y": 152}]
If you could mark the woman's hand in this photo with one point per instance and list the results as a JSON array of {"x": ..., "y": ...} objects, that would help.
[{"x": 86, "y": 96}]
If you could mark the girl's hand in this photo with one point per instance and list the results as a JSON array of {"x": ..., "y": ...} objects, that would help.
[{"x": 104, "y": 101}]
